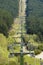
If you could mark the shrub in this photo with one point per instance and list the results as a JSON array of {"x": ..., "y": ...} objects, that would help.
[
  {"x": 35, "y": 38},
  {"x": 40, "y": 47},
  {"x": 10, "y": 40},
  {"x": 3, "y": 41},
  {"x": 6, "y": 21},
  {"x": 37, "y": 51}
]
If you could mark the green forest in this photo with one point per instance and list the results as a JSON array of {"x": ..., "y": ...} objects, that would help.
[
  {"x": 34, "y": 18},
  {"x": 10, "y": 5},
  {"x": 34, "y": 24},
  {"x": 8, "y": 11}
]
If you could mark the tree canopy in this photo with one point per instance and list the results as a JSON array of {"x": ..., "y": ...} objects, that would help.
[
  {"x": 10, "y": 5},
  {"x": 34, "y": 17},
  {"x": 6, "y": 19}
]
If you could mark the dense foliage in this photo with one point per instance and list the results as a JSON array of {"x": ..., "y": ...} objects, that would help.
[
  {"x": 6, "y": 20},
  {"x": 34, "y": 17},
  {"x": 8, "y": 10},
  {"x": 3, "y": 49},
  {"x": 10, "y": 5},
  {"x": 4, "y": 53}
]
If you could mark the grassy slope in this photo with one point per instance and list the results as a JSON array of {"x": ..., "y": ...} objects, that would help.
[{"x": 31, "y": 60}]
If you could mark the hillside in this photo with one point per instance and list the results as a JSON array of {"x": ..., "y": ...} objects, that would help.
[
  {"x": 11, "y": 27},
  {"x": 9, "y": 10},
  {"x": 10, "y": 5},
  {"x": 34, "y": 17}
]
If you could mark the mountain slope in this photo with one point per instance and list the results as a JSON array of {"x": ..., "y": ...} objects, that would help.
[
  {"x": 10, "y": 5},
  {"x": 34, "y": 17}
]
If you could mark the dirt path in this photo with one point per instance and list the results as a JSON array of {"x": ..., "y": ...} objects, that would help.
[
  {"x": 15, "y": 31},
  {"x": 39, "y": 56}
]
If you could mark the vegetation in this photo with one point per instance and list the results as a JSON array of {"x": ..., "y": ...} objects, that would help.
[
  {"x": 3, "y": 49},
  {"x": 6, "y": 20},
  {"x": 4, "y": 53},
  {"x": 32, "y": 43},
  {"x": 10, "y": 5},
  {"x": 34, "y": 25},
  {"x": 34, "y": 18},
  {"x": 31, "y": 60},
  {"x": 8, "y": 10},
  {"x": 37, "y": 51},
  {"x": 40, "y": 47},
  {"x": 14, "y": 60}
]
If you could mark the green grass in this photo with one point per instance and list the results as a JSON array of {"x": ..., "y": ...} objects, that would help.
[
  {"x": 14, "y": 60},
  {"x": 31, "y": 60}
]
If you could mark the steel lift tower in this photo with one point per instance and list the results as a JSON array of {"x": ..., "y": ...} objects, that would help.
[{"x": 21, "y": 53}]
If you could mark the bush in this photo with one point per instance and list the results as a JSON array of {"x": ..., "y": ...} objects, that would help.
[
  {"x": 40, "y": 47},
  {"x": 3, "y": 50},
  {"x": 36, "y": 38},
  {"x": 25, "y": 38},
  {"x": 3, "y": 41},
  {"x": 6, "y": 20},
  {"x": 12, "y": 63},
  {"x": 10, "y": 40},
  {"x": 37, "y": 51},
  {"x": 31, "y": 47}
]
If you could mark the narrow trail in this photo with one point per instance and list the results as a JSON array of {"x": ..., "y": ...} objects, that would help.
[{"x": 17, "y": 22}]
